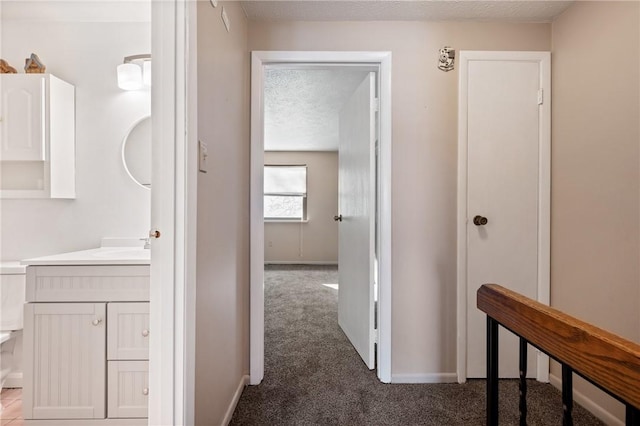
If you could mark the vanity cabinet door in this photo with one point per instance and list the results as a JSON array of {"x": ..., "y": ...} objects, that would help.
[
  {"x": 128, "y": 389},
  {"x": 64, "y": 351},
  {"x": 128, "y": 335}
]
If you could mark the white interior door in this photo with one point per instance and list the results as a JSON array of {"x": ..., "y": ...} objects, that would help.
[
  {"x": 356, "y": 203},
  {"x": 503, "y": 186}
]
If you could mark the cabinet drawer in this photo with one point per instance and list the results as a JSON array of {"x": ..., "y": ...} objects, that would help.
[
  {"x": 128, "y": 389},
  {"x": 128, "y": 331},
  {"x": 104, "y": 283}
]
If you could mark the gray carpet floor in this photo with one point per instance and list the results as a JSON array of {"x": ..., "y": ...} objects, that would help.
[{"x": 313, "y": 376}]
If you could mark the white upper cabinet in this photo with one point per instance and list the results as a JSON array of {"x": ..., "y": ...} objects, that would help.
[
  {"x": 37, "y": 137},
  {"x": 23, "y": 100}
]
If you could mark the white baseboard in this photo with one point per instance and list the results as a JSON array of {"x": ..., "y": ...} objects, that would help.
[
  {"x": 588, "y": 404},
  {"x": 13, "y": 380},
  {"x": 244, "y": 380},
  {"x": 300, "y": 262},
  {"x": 425, "y": 378}
]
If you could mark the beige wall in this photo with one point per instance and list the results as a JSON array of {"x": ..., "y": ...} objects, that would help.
[
  {"x": 424, "y": 163},
  {"x": 222, "y": 313},
  {"x": 595, "y": 230},
  {"x": 315, "y": 241}
]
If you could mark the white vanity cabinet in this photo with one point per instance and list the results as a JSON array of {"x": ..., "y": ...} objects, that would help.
[
  {"x": 86, "y": 345},
  {"x": 37, "y": 136}
]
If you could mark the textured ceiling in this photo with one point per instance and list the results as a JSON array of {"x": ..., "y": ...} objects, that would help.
[
  {"x": 301, "y": 107},
  {"x": 404, "y": 10}
]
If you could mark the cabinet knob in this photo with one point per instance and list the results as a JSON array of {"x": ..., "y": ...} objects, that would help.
[
  {"x": 96, "y": 321},
  {"x": 145, "y": 391},
  {"x": 145, "y": 333}
]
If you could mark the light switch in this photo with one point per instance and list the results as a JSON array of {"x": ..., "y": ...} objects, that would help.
[{"x": 202, "y": 157}]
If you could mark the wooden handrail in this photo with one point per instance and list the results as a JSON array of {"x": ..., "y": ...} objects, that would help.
[{"x": 608, "y": 360}]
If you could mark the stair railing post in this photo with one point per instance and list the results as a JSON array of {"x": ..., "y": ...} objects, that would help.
[
  {"x": 567, "y": 395},
  {"x": 523, "y": 382},
  {"x": 633, "y": 416},
  {"x": 492, "y": 372}
]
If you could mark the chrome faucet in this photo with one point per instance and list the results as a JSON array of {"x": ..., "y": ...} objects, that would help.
[{"x": 147, "y": 242}]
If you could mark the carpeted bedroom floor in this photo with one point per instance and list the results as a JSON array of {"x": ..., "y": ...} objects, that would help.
[{"x": 313, "y": 376}]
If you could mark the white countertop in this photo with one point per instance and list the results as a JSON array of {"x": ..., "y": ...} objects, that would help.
[
  {"x": 99, "y": 256},
  {"x": 12, "y": 268}
]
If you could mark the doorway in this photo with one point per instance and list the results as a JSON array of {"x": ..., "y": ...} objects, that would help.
[
  {"x": 503, "y": 196},
  {"x": 261, "y": 60}
]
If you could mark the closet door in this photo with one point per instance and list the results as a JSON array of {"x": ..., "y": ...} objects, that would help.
[{"x": 504, "y": 197}]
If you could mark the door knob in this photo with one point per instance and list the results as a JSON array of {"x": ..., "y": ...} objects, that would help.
[
  {"x": 338, "y": 218},
  {"x": 480, "y": 220},
  {"x": 154, "y": 233}
]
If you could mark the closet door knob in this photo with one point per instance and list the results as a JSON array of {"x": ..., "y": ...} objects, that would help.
[
  {"x": 145, "y": 333},
  {"x": 145, "y": 391},
  {"x": 96, "y": 321},
  {"x": 480, "y": 220}
]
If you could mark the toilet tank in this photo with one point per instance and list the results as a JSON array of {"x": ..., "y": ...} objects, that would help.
[{"x": 12, "y": 295}]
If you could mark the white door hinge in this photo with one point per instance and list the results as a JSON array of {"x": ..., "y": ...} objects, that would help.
[
  {"x": 376, "y": 336},
  {"x": 376, "y": 104},
  {"x": 540, "y": 96}
]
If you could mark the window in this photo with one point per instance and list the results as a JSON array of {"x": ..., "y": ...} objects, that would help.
[{"x": 285, "y": 192}]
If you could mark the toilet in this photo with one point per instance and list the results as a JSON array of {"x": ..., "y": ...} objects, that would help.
[{"x": 12, "y": 298}]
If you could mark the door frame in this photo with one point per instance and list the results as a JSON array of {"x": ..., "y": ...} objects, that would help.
[
  {"x": 173, "y": 213},
  {"x": 544, "y": 193},
  {"x": 259, "y": 60}
]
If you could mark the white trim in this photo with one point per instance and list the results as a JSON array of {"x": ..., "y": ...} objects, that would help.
[
  {"x": 244, "y": 380},
  {"x": 298, "y": 221},
  {"x": 588, "y": 404},
  {"x": 462, "y": 226},
  {"x": 173, "y": 209},
  {"x": 544, "y": 204},
  {"x": 300, "y": 262},
  {"x": 187, "y": 217},
  {"x": 256, "y": 251},
  {"x": 86, "y": 422},
  {"x": 425, "y": 378},
  {"x": 544, "y": 185},
  {"x": 260, "y": 59}
]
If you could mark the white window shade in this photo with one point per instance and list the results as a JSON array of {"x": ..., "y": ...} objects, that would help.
[
  {"x": 285, "y": 192},
  {"x": 285, "y": 180}
]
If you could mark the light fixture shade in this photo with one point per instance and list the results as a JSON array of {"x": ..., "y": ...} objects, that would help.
[
  {"x": 129, "y": 76},
  {"x": 146, "y": 73}
]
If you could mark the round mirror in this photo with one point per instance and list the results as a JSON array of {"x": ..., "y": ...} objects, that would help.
[{"x": 136, "y": 152}]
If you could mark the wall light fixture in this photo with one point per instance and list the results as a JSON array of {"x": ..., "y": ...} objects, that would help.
[{"x": 135, "y": 72}]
